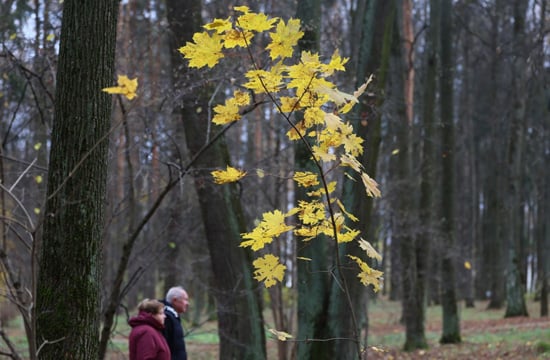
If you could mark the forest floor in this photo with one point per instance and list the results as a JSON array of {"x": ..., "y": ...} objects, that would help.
[
  {"x": 481, "y": 339},
  {"x": 485, "y": 334}
]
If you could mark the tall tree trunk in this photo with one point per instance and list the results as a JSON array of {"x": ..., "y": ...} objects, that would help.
[
  {"x": 515, "y": 301},
  {"x": 416, "y": 337},
  {"x": 313, "y": 279},
  {"x": 69, "y": 278},
  {"x": 493, "y": 229},
  {"x": 411, "y": 260},
  {"x": 451, "y": 322},
  {"x": 240, "y": 322},
  {"x": 374, "y": 24}
]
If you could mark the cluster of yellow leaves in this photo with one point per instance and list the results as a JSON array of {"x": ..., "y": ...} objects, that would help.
[
  {"x": 229, "y": 112},
  {"x": 126, "y": 87},
  {"x": 367, "y": 275},
  {"x": 271, "y": 226},
  {"x": 304, "y": 86}
]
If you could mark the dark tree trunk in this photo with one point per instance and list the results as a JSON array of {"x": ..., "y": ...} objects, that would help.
[
  {"x": 69, "y": 278},
  {"x": 374, "y": 23},
  {"x": 313, "y": 280},
  {"x": 451, "y": 322},
  {"x": 515, "y": 293}
]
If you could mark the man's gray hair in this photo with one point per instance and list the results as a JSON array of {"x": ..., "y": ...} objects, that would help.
[{"x": 174, "y": 292}]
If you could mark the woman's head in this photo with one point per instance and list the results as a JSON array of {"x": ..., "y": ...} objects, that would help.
[{"x": 153, "y": 307}]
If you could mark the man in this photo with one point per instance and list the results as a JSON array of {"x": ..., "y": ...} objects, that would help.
[{"x": 176, "y": 303}]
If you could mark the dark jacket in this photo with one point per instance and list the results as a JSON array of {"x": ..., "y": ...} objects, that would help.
[
  {"x": 173, "y": 332},
  {"x": 146, "y": 340}
]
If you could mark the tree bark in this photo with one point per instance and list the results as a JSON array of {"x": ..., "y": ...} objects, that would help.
[
  {"x": 451, "y": 322},
  {"x": 69, "y": 278},
  {"x": 375, "y": 26},
  {"x": 515, "y": 301},
  {"x": 313, "y": 279}
]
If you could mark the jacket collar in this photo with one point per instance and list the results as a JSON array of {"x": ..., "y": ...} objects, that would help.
[{"x": 169, "y": 308}]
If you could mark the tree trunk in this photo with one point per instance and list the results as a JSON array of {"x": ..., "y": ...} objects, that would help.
[
  {"x": 413, "y": 289},
  {"x": 515, "y": 301},
  {"x": 313, "y": 279},
  {"x": 416, "y": 308},
  {"x": 451, "y": 322},
  {"x": 69, "y": 278},
  {"x": 375, "y": 26}
]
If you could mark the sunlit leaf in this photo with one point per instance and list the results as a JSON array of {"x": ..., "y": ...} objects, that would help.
[
  {"x": 230, "y": 174},
  {"x": 205, "y": 50},
  {"x": 371, "y": 251},
  {"x": 126, "y": 87},
  {"x": 269, "y": 270},
  {"x": 281, "y": 335}
]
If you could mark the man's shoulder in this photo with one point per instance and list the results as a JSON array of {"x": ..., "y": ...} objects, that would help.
[{"x": 169, "y": 310}]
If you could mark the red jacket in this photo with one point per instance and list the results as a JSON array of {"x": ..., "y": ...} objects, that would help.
[{"x": 146, "y": 339}]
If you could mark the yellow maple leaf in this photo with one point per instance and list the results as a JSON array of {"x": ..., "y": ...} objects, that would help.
[
  {"x": 321, "y": 191},
  {"x": 351, "y": 161},
  {"x": 226, "y": 176},
  {"x": 219, "y": 25},
  {"x": 272, "y": 225},
  {"x": 126, "y": 87},
  {"x": 242, "y": 98},
  {"x": 226, "y": 113},
  {"x": 344, "y": 237},
  {"x": 467, "y": 265},
  {"x": 311, "y": 213},
  {"x": 229, "y": 112},
  {"x": 336, "y": 63},
  {"x": 306, "y": 232},
  {"x": 234, "y": 38},
  {"x": 323, "y": 153},
  {"x": 306, "y": 178},
  {"x": 314, "y": 116},
  {"x": 262, "y": 81},
  {"x": 281, "y": 335},
  {"x": 367, "y": 275},
  {"x": 371, "y": 252},
  {"x": 256, "y": 239},
  {"x": 289, "y": 104},
  {"x": 353, "y": 144},
  {"x": 335, "y": 95},
  {"x": 294, "y": 133},
  {"x": 269, "y": 270},
  {"x": 205, "y": 50},
  {"x": 254, "y": 21},
  {"x": 348, "y": 214},
  {"x": 370, "y": 185},
  {"x": 284, "y": 39}
]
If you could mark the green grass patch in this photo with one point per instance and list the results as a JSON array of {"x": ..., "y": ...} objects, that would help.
[
  {"x": 510, "y": 335},
  {"x": 203, "y": 337}
]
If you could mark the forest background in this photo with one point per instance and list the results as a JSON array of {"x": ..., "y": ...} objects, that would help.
[{"x": 456, "y": 127}]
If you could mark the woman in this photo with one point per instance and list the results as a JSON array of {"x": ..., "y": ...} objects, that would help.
[{"x": 146, "y": 339}]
